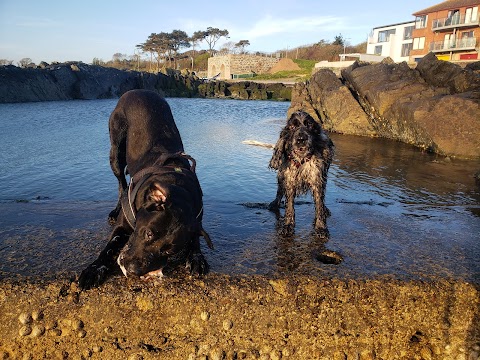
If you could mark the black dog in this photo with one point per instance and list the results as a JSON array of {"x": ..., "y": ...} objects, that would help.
[
  {"x": 302, "y": 157},
  {"x": 159, "y": 215}
]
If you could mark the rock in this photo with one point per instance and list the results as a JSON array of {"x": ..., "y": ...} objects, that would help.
[
  {"x": 436, "y": 107},
  {"x": 440, "y": 73},
  {"x": 335, "y": 105},
  {"x": 403, "y": 106},
  {"x": 245, "y": 90},
  {"x": 81, "y": 81}
]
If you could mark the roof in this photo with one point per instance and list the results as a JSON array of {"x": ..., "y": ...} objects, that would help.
[
  {"x": 411, "y": 22},
  {"x": 447, "y": 5}
]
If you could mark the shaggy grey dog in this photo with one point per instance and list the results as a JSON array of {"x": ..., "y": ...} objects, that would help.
[{"x": 302, "y": 157}]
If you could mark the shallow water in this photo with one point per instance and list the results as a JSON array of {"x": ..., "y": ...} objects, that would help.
[{"x": 395, "y": 210}]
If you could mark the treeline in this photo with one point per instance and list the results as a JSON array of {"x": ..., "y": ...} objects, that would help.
[{"x": 178, "y": 50}]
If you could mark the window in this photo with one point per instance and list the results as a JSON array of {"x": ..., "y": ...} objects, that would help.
[
  {"x": 421, "y": 22},
  {"x": 449, "y": 41},
  {"x": 471, "y": 15},
  {"x": 418, "y": 43},
  {"x": 378, "y": 50},
  {"x": 384, "y": 36},
  {"x": 467, "y": 39},
  {"x": 407, "y": 32},
  {"x": 406, "y": 49},
  {"x": 453, "y": 18}
]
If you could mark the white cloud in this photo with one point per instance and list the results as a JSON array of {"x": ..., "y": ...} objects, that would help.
[
  {"x": 34, "y": 22},
  {"x": 268, "y": 26}
]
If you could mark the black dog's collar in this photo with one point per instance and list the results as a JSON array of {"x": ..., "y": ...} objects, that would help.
[{"x": 128, "y": 198}]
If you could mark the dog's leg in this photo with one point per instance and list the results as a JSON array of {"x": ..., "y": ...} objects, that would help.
[
  {"x": 275, "y": 204},
  {"x": 196, "y": 262},
  {"x": 96, "y": 273},
  {"x": 289, "y": 220},
  {"x": 321, "y": 211},
  {"x": 118, "y": 160}
]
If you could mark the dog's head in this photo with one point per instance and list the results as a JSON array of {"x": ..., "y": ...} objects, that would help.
[
  {"x": 164, "y": 228},
  {"x": 301, "y": 137}
]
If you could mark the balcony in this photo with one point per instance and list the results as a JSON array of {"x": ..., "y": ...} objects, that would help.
[
  {"x": 456, "y": 21},
  {"x": 454, "y": 45}
]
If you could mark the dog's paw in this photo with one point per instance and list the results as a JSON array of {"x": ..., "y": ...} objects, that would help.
[
  {"x": 92, "y": 276},
  {"x": 197, "y": 264},
  {"x": 321, "y": 232},
  {"x": 327, "y": 211},
  {"x": 274, "y": 206},
  {"x": 113, "y": 216},
  {"x": 287, "y": 230}
]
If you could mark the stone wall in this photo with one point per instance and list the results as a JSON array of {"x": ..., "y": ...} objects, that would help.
[{"x": 228, "y": 65}]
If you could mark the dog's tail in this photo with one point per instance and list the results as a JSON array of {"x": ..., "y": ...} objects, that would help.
[{"x": 258, "y": 143}]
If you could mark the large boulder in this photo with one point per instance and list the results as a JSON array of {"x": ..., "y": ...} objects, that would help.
[
  {"x": 439, "y": 73},
  {"x": 333, "y": 104},
  {"x": 402, "y": 105},
  {"x": 435, "y": 107}
]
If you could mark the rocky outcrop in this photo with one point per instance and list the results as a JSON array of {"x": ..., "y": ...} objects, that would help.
[
  {"x": 82, "y": 81},
  {"x": 435, "y": 106},
  {"x": 337, "y": 109},
  {"x": 245, "y": 90}
]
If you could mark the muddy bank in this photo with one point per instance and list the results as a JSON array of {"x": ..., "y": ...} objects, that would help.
[{"x": 239, "y": 317}]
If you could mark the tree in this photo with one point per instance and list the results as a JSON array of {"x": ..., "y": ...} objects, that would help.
[
  {"x": 339, "y": 40},
  {"x": 178, "y": 39},
  {"x": 119, "y": 57},
  {"x": 197, "y": 37},
  {"x": 212, "y": 35},
  {"x": 228, "y": 48},
  {"x": 24, "y": 62},
  {"x": 241, "y": 45},
  {"x": 4, "y": 62},
  {"x": 158, "y": 45}
]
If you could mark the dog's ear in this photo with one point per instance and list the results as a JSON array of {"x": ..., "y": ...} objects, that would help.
[
  {"x": 157, "y": 193},
  {"x": 278, "y": 153}
]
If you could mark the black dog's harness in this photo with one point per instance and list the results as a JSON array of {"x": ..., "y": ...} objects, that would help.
[{"x": 159, "y": 167}]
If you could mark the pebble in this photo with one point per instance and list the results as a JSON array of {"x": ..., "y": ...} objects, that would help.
[
  {"x": 56, "y": 332},
  {"x": 135, "y": 357},
  {"x": 217, "y": 354},
  {"x": 227, "y": 324},
  {"x": 25, "y": 318},
  {"x": 38, "y": 330},
  {"x": 25, "y": 330},
  {"x": 97, "y": 349},
  {"x": 77, "y": 324},
  {"x": 205, "y": 315},
  {"x": 81, "y": 334},
  {"x": 37, "y": 315},
  {"x": 52, "y": 324}
]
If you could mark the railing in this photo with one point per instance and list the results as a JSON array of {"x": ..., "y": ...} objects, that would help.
[
  {"x": 453, "y": 21},
  {"x": 452, "y": 45}
]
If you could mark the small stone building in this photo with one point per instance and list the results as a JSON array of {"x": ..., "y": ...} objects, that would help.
[{"x": 237, "y": 66}]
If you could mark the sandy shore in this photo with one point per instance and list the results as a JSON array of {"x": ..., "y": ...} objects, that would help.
[{"x": 239, "y": 317}]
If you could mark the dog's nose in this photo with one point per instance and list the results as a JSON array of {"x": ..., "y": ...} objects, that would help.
[
  {"x": 302, "y": 139},
  {"x": 134, "y": 269}
]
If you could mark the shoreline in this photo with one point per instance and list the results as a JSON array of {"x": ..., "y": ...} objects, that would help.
[{"x": 240, "y": 317}]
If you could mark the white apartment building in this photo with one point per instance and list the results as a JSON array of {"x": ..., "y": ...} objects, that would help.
[{"x": 394, "y": 41}]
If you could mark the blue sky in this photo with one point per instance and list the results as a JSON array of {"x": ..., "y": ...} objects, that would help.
[{"x": 83, "y": 30}]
